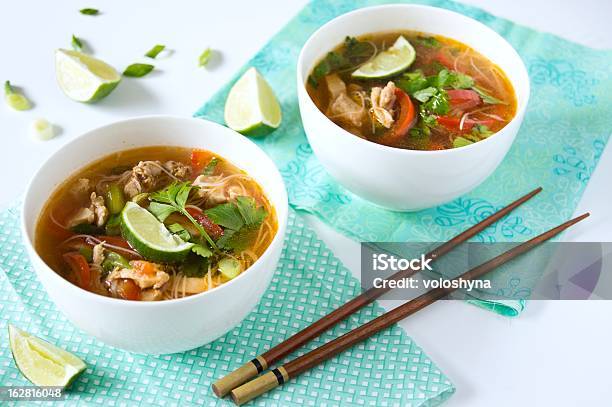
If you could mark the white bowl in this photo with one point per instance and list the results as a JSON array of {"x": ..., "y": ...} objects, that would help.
[
  {"x": 398, "y": 179},
  {"x": 165, "y": 326}
]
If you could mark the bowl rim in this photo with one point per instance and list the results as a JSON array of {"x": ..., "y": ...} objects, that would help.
[
  {"x": 277, "y": 240},
  {"x": 518, "y": 116}
]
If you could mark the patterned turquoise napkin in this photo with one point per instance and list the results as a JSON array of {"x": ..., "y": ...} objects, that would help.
[
  {"x": 564, "y": 133},
  {"x": 387, "y": 369}
]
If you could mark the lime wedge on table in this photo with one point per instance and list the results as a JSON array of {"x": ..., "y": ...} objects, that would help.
[
  {"x": 42, "y": 363},
  {"x": 84, "y": 78},
  {"x": 393, "y": 60},
  {"x": 251, "y": 107},
  {"x": 150, "y": 237}
]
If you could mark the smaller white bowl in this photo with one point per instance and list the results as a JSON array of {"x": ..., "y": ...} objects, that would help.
[
  {"x": 398, "y": 179},
  {"x": 164, "y": 326}
]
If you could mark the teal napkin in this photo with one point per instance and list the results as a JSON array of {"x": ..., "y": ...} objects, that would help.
[
  {"x": 387, "y": 369},
  {"x": 563, "y": 135}
]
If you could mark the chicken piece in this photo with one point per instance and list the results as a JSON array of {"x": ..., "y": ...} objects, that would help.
[
  {"x": 99, "y": 209},
  {"x": 383, "y": 100},
  {"x": 143, "y": 279},
  {"x": 178, "y": 169},
  {"x": 143, "y": 179},
  {"x": 335, "y": 86},
  {"x": 151, "y": 294},
  {"x": 215, "y": 195},
  {"x": 194, "y": 285},
  {"x": 98, "y": 254},
  {"x": 96, "y": 213},
  {"x": 83, "y": 215},
  {"x": 81, "y": 187}
]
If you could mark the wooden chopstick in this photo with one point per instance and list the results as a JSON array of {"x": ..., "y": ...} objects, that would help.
[
  {"x": 280, "y": 375},
  {"x": 252, "y": 368}
]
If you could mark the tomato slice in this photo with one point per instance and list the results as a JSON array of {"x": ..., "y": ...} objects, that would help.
[
  {"x": 199, "y": 158},
  {"x": 143, "y": 267},
  {"x": 127, "y": 289},
  {"x": 404, "y": 122},
  {"x": 80, "y": 268},
  {"x": 463, "y": 99},
  {"x": 214, "y": 231}
]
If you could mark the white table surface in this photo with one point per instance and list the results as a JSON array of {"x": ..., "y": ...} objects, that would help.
[{"x": 554, "y": 354}]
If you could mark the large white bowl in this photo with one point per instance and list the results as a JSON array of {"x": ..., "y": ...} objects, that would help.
[
  {"x": 165, "y": 326},
  {"x": 394, "y": 178}
]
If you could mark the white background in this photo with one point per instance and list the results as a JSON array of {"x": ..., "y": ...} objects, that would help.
[{"x": 554, "y": 354}]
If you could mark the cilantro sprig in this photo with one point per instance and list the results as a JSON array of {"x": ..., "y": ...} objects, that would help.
[
  {"x": 240, "y": 218},
  {"x": 173, "y": 199},
  {"x": 353, "y": 53}
]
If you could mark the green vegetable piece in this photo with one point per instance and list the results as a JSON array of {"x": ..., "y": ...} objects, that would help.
[
  {"x": 194, "y": 266},
  {"x": 481, "y": 131},
  {"x": 89, "y": 11},
  {"x": 205, "y": 56},
  {"x": 114, "y": 260},
  {"x": 15, "y": 99},
  {"x": 201, "y": 251},
  {"x": 210, "y": 167},
  {"x": 430, "y": 42},
  {"x": 113, "y": 225},
  {"x": 115, "y": 200},
  {"x": 229, "y": 267},
  {"x": 77, "y": 45},
  {"x": 154, "y": 52},
  {"x": 461, "y": 142},
  {"x": 87, "y": 229},
  {"x": 86, "y": 252},
  {"x": 138, "y": 70}
]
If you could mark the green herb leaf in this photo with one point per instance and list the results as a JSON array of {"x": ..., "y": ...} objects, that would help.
[
  {"x": 210, "y": 167},
  {"x": 481, "y": 131},
  {"x": 15, "y": 99},
  {"x": 205, "y": 56},
  {"x": 194, "y": 266},
  {"x": 77, "y": 45},
  {"x": 461, "y": 142},
  {"x": 238, "y": 240},
  {"x": 251, "y": 214},
  {"x": 176, "y": 195},
  {"x": 354, "y": 53},
  {"x": 486, "y": 97},
  {"x": 180, "y": 231},
  {"x": 357, "y": 51},
  {"x": 113, "y": 225},
  {"x": 89, "y": 11},
  {"x": 161, "y": 211},
  {"x": 87, "y": 229},
  {"x": 138, "y": 70},
  {"x": 430, "y": 42},
  {"x": 423, "y": 95},
  {"x": 154, "y": 52},
  {"x": 226, "y": 215},
  {"x": 412, "y": 82},
  {"x": 201, "y": 251}
]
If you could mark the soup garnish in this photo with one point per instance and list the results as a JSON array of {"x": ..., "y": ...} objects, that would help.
[
  {"x": 155, "y": 223},
  {"x": 413, "y": 91}
]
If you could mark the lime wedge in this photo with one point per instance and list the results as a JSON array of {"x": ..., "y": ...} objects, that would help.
[
  {"x": 84, "y": 78},
  {"x": 150, "y": 237},
  {"x": 251, "y": 107},
  {"x": 42, "y": 363},
  {"x": 394, "y": 60}
]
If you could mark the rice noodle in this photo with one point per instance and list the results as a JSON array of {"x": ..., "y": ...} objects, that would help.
[
  {"x": 89, "y": 239},
  {"x": 463, "y": 119},
  {"x": 55, "y": 221}
]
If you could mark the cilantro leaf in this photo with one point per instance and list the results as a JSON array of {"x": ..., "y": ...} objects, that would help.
[
  {"x": 138, "y": 70},
  {"x": 423, "y": 95},
  {"x": 486, "y": 97},
  {"x": 226, "y": 215},
  {"x": 353, "y": 53},
  {"x": 89, "y": 11},
  {"x": 160, "y": 210},
  {"x": 210, "y": 167},
  {"x": 77, "y": 45},
  {"x": 180, "y": 231},
  {"x": 201, "y": 251},
  {"x": 194, "y": 266},
  {"x": 251, "y": 214},
  {"x": 154, "y": 52},
  {"x": 238, "y": 239},
  {"x": 431, "y": 42}
]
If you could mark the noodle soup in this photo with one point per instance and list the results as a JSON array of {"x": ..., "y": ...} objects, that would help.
[
  {"x": 155, "y": 223},
  {"x": 412, "y": 90}
]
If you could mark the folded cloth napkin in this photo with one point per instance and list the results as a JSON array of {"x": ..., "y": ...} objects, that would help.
[
  {"x": 563, "y": 135},
  {"x": 388, "y": 369}
]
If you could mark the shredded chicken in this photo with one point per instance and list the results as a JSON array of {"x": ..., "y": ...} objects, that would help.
[
  {"x": 383, "y": 100},
  {"x": 154, "y": 280},
  {"x": 217, "y": 195},
  {"x": 96, "y": 213},
  {"x": 98, "y": 254},
  {"x": 143, "y": 178},
  {"x": 81, "y": 187},
  {"x": 151, "y": 294},
  {"x": 342, "y": 107},
  {"x": 178, "y": 169}
]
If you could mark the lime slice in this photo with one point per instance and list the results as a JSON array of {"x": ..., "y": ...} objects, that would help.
[
  {"x": 84, "y": 78},
  {"x": 251, "y": 107},
  {"x": 42, "y": 363},
  {"x": 392, "y": 61},
  {"x": 150, "y": 237}
]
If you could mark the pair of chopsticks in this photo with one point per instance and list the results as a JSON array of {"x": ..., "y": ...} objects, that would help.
[{"x": 242, "y": 392}]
